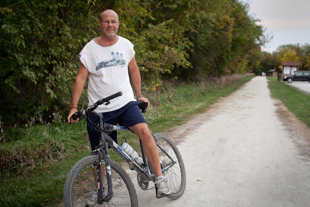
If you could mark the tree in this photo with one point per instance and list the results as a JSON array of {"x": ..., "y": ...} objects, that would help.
[
  {"x": 270, "y": 61},
  {"x": 307, "y": 65},
  {"x": 183, "y": 39},
  {"x": 39, "y": 47},
  {"x": 289, "y": 56}
]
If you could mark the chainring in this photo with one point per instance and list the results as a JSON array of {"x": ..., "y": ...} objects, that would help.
[{"x": 144, "y": 185}]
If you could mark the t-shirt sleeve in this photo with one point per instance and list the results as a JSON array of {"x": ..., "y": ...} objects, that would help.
[
  {"x": 85, "y": 57},
  {"x": 131, "y": 51}
]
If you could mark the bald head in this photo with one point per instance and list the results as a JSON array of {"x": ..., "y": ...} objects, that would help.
[{"x": 108, "y": 12}]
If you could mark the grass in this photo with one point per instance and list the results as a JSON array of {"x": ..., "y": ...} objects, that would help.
[
  {"x": 296, "y": 101},
  {"x": 41, "y": 182}
]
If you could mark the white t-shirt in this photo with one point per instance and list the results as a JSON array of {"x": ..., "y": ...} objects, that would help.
[{"x": 108, "y": 72}]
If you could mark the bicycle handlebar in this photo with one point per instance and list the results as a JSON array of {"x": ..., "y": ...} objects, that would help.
[
  {"x": 91, "y": 108},
  {"x": 106, "y": 101},
  {"x": 76, "y": 115}
]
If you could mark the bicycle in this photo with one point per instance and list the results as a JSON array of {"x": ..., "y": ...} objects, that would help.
[{"x": 101, "y": 175}]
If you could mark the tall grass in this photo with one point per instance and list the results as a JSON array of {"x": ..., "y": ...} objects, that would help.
[{"x": 44, "y": 154}]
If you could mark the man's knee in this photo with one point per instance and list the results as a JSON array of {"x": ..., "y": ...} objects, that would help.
[{"x": 142, "y": 131}]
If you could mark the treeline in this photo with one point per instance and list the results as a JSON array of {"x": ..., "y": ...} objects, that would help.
[
  {"x": 285, "y": 53},
  {"x": 185, "y": 40}
]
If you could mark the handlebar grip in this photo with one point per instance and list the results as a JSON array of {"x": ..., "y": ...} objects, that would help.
[
  {"x": 114, "y": 95},
  {"x": 75, "y": 116},
  {"x": 107, "y": 99},
  {"x": 143, "y": 105}
]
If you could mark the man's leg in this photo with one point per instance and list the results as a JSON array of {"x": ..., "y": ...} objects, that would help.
[
  {"x": 149, "y": 145},
  {"x": 150, "y": 149}
]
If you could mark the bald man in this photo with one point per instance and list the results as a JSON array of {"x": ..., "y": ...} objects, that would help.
[{"x": 109, "y": 63}]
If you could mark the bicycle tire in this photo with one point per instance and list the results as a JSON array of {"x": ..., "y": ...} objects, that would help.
[
  {"x": 176, "y": 175},
  {"x": 80, "y": 183}
]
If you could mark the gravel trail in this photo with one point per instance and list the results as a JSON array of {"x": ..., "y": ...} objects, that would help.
[{"x": 247, "y": 150}]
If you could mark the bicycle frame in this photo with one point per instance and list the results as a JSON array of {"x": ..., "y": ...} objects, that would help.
[
  {"x": 107, "y": 140},
  {"x": 101, "y": 160}
]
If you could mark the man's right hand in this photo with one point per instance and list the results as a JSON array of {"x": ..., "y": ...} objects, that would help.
[{"x": 72, "y": 111}]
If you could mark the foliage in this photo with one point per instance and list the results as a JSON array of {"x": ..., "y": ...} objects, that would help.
[
  {"x": 270, "y": 61},
  {"x": 287, "y": 53},
  {"x": 289, "y": 56},
  {"x": 40, "y": 42},
  {"x": 307, "y": 65},
  {"x": 183, "y": 39},
  {"x": 255, "y": 58},
  {"x": 294, "y": 53}
]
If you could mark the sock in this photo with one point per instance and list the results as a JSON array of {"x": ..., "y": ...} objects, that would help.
[{"x": 159, "y": 177}]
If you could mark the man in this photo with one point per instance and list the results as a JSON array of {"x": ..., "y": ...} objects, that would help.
[{"x": 107, "y": 61}]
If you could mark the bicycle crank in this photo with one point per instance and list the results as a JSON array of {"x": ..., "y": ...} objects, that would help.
[{"x": 144, "y": 185}]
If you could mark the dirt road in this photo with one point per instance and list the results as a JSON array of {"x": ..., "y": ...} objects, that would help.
[{"x": 246, "y": 151}]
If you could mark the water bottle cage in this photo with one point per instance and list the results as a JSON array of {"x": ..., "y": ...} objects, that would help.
[{"x": 131, "y": 164}]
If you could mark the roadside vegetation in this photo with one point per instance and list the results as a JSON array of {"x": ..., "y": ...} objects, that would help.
[
  {"x": 34, "y": 166},
  {"x": 296, "y": 101},
  {"x": 184, "y": 40}
]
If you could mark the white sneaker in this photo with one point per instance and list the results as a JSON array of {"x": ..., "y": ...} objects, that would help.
[
  {"x": 162, "y": 187},
  {"x": 93, "y": 199}
]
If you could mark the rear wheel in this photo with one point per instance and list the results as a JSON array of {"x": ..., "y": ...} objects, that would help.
[
  {"x": 80, "y": 185},
  {"x": 176, "y": 174}
]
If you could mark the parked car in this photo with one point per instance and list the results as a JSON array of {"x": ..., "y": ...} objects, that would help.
[{"x": 298, "y": 76}]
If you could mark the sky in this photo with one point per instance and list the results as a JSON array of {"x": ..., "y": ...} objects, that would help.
[{"x": 288, "y": 21}]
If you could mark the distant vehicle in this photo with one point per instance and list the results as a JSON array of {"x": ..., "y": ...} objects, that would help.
[{"x": 298, "y": 76}]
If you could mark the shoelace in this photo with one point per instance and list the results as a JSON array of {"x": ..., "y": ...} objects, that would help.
[{"x": 163, "y": 179}]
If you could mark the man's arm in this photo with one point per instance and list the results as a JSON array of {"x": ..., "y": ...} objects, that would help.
[
  {"x": 77, "y": 90},
  {"x": 136, "y": 80}
]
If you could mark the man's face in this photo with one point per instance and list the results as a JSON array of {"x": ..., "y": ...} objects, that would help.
[{"x": 109, "y": 24}]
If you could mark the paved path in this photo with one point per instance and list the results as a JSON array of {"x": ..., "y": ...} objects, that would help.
[
  {"x": 303, "y": 86},
  {"x": 241, "y": 154}
]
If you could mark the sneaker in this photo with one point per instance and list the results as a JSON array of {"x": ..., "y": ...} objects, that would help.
[
  {"x": 93, "y": 199},
  {"x": 162, "y": 187}
]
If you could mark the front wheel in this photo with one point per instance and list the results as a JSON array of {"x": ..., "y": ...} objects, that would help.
[
  {"x": 80, "y": 184},
  {"x": 289, "y": 80},
  {"x": 176, "y": 174}
]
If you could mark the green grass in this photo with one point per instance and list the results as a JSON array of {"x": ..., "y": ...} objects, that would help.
[
  {"x": 296, "y": 101},
  {"x": 42, "y": 184},
  {"x": 42, "y": 187}
]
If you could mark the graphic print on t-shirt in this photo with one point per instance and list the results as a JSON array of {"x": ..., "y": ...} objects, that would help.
[{"x": 117, "y": 59}]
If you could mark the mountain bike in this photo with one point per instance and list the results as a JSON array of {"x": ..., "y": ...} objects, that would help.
[{"x": 99, "y": 174}]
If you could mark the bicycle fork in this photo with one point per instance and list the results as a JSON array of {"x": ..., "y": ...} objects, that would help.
[{"x": 104, "y": 160}]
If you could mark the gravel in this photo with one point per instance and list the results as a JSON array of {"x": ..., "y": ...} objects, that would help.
[{"x": 247, "y": 150}]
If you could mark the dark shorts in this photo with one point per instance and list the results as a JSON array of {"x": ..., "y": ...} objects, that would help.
[{"x": 129, "y": 115}]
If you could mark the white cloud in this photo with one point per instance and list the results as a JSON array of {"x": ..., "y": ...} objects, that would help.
[
  {"x": 286, "y": 24},
  {"x": 288, "y": 20}
]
